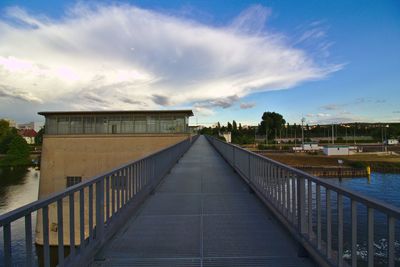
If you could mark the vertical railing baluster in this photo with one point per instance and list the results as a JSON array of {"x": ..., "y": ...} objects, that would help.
[
  {"x": 107, "y": 198},
  {"x": 340, "y": 229},
  {"x": 82, "y": 218},
  {"x": 60, "y": 232},
  {"x": 128, "y": 182},
  {"x": 90, "y": 215},
  {"x": 328, "y": 224},
  {"x": 46, "y": 243},
  {"x": 391, "y": 241},
  {"x": 310, "y": 208},
  {"x": 353, "y": 233},
  {"x": 301, "y": 205},
  {"x": 125, "y": 183},
  {"x": 118, "y": 187},
  {"x": 287, "y": 194},
  {"x": 319, "y": 228},
  {"x": 100, "y": 210},
  {"x": 113, "y": 188},
  {"x": 294, "y": 206},
  {"x": 370, "y": 237},
  {"x": 72, "y": 224},
  {"x": 7, "y": 245},
  {"x": 28, "y": 239},
  {"x": 121, "y": 189},
  {"x": 133, "y": 180}
]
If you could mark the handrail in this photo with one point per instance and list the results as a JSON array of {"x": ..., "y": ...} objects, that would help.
[
  {"x": 104, "y": 200},
  {"x": 298, "y": 199}
]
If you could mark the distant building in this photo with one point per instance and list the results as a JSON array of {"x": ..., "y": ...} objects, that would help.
[
  {"x": 308, "y": 147},
  {"x": 29, "y": 135},
  {"x": 79, "y": 145},
  {"x": 391, "y": 142},
  {"x": 227, "y": 136},
  {"x": 31, "y": 125},
  {"x": 337, "y": 150}
]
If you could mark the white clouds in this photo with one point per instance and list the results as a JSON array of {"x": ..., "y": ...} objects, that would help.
[
  {"x": 247, "y": 105},
  {"x": 123, "y": 57}
]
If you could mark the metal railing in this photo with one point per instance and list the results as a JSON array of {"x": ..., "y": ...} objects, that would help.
[
  {"x": 312, "y": 209},
  {"x": 101, "y": 205}
]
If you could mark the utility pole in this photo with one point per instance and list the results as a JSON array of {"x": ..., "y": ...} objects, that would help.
[
  {"x": 302, "y": 132},
  {"x": 333, "y": 134},
  {"x": 382, "y": 136}
]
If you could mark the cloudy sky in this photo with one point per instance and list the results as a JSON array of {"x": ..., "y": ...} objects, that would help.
[{"x": 335, "y": 61}]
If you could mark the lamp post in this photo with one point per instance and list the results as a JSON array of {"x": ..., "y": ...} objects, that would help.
[{"x": 302, "y": 132}]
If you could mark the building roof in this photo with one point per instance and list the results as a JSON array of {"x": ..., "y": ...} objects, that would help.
[
  {"x": 115, "y": 112},
  {"x": 28, "y": 133}
]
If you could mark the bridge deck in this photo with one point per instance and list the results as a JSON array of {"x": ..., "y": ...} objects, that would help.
[{"x": 202, "y": 214}]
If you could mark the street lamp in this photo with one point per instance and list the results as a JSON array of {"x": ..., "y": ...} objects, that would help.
[{"x": 302, "y": 132}]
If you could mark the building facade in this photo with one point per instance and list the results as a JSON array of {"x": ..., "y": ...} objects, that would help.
[
  {"x": 337, "y": 150},
  {"x": 79, "y": 145}
]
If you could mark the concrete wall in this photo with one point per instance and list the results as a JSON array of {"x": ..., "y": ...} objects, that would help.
[{"x": 87, "y": 156}]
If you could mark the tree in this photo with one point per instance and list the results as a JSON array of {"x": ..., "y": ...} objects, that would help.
[
  {"x": 4, "y": 127},
  {"x": 234, "y": 125},
  {"x": 229, "y": 126},
  {"x": 6, "y": 135},
  {"x": 271, "y": 123},
  {"x": 17, "y": 153}
]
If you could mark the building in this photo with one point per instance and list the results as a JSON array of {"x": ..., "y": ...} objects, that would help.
[
  {"x": 31, "y": 125},
  {"x": 227, "y": 136},
  {"x": 29, "y": 135},
  {"x": 308, "y": 147},
  {"x": 79, "y": 145},
  {"x": 336, "y": 150},
  {"x": 391, "y": 142}
]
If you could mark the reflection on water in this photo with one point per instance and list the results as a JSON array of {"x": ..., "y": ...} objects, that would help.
[
  {"x": 18, "y": 186},
  {"x": 381, "y": 186}
]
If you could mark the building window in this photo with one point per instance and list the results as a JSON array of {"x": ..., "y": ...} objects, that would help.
[
  {"x": 76, "y": 125},
  {"x": 73, "y": 180},
  {"x": 114, "y": 129},
  {"x": 63, "y": 125}
]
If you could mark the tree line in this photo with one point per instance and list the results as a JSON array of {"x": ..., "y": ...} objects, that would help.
[
  {"x": 15, "y": 149},
  {"x": 273, "y": 126}
]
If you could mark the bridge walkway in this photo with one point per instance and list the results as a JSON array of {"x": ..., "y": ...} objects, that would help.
[{"x": 202, "y": 214}]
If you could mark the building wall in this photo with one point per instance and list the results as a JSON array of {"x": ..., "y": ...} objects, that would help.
[
  {"x": 336, "y": 151},
  {"x": 87, "y": 156}
]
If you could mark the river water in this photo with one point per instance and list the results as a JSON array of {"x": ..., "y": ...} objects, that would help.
[{"x": 19, "y": 186}]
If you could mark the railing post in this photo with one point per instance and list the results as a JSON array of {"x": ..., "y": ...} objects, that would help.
[
  {"x": 100, "y": 211},
  {"x": 301, "y": 205}
]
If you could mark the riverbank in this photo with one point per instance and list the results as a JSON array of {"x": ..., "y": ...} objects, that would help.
[{"x": 379, "y": 162}]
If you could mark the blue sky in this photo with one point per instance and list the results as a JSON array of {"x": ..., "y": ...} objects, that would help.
[{"x": 327, "y": 61}]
